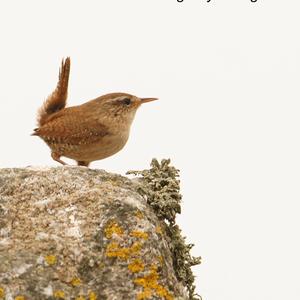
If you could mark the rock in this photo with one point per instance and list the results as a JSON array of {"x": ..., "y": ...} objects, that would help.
[{"x": 77, "y": 233}]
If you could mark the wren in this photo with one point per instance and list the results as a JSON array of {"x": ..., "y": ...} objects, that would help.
[{"x": 91, "y": 131}]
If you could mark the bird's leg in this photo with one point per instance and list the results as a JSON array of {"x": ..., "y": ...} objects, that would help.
[
  {"x": 56, "y": 157},
  {"x": 82, "y": 163}
]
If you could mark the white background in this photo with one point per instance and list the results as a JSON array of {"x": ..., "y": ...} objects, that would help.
[{"x": 227, "y": 74}]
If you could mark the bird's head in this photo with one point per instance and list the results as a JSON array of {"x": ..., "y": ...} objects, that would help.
[{"x": 121, "y": 106}]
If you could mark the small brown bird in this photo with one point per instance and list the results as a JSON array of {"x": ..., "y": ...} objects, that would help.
[{"x": 91, "y": 131}]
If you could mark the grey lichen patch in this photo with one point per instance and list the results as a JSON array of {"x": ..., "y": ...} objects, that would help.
[{"x": 161, "y": 188}]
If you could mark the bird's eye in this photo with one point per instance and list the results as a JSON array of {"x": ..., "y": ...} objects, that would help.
[{"x": 126, "y": 101}]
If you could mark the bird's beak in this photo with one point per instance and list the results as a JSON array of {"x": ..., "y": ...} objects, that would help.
[{"x": 144, "y": 100}]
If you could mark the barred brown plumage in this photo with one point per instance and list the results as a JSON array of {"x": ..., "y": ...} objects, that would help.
[{"x": 91, "y": 131}]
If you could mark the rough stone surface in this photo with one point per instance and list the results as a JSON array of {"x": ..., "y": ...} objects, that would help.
[{"x": 78, "y": 233}]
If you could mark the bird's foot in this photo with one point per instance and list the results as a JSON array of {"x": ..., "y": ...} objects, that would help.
[
  {"x": 83, "y": 163},
  {"x": 56, "y": 157}
]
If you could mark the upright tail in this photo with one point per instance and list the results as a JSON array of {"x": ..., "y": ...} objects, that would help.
[{"x": 58, "y": 99}]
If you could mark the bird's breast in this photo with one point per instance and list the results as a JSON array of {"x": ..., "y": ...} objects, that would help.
[{"x": 104, "y": 147}]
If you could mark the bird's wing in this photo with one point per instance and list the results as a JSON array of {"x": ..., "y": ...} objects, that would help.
[{"x": 71, "y": 127}]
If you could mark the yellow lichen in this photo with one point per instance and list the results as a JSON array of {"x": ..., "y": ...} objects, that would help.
[
  {"x": 2, "y": 294},
  {"x": 76, "y": 281},
  {"x": 80, "y": 298},
  {"x": 162, "y": 292},
  {"x": 59, "y": 294},
  {"x": 135, "y": 248},
  {"x": 150, "y": 282},
  {"x": 136, "y": 266},
  {"x": 50, "y": 259},
  {"x": 114, "y": 250},
  {"x": 113, "y": 228},
  {"x": 160, "y": 259},
  {"x": 145, "y": 294},
  {"x": 139, "y": 215},
  {"x": 20, "y": 298},
  {"x": 92, "y": 296},
  {"x": 139, "y": 234},
  {"x": 158, "y": 230}
]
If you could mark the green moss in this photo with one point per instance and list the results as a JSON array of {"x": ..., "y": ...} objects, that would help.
[{"x": 161, "y": 187}]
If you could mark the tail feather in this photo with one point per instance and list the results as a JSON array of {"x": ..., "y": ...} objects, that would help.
[
  {"x": 36, "y": 131},
  {"x": 58, "y": 99}
]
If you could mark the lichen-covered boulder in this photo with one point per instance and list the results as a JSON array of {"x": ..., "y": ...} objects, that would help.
[{"x": 77, "y": 233}]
